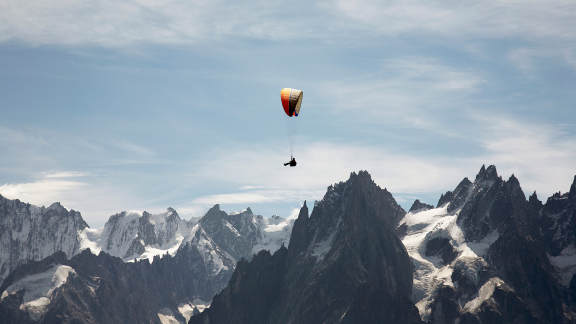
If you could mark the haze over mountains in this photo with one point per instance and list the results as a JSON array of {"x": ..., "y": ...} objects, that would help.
[{"x": 484, "y": 254}]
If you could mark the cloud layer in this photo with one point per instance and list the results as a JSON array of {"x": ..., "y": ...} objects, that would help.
[{"x": 118, "y": 23}]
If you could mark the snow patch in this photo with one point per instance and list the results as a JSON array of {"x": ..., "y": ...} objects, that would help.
[
  {"x": 38, "y": 289},
  {"x": 150, "y": 251},
  {"x": 232, "y": 229},
  {"x": 167, "y": 318},
  {"x": 188, "y": 309},
  {"x": 484, "y": 293}
]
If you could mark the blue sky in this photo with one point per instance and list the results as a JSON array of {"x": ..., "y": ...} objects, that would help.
[{"x": 107, "y": 106}]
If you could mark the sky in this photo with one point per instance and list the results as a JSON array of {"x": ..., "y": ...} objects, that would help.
[{"x": 144, "y": 104}]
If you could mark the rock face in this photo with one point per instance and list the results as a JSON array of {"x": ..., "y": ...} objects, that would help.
[
  {"x": 29, "y": 233},
  {"x": 481, "y": 255},
  {"x": 237, "y": 233},
  {"x": 344, "y": 264}
]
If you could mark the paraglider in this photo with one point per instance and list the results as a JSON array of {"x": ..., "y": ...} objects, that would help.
[
  {"x": 292, "y": 162},
  {"x": 291, "y": 102}
]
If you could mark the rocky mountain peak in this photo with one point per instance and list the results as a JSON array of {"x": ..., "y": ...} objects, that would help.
[
  {"x": 299, "y": 238},
  {"x": 487, "y": 174},
  {"x": 513, "y": 180},
  {"x": 513, "y": 185},
  {"x": 460, "y": 194},
  {"x": 56, "y": 206},
  {"x": 237, "y": 233},
  {"x": 213, "y": 213},
  {"x": 419, "y": 206},
  {"x": 303, "y": 214},
  {"x": 361, "y": 177},
  {"x": 534, "y": 201}
]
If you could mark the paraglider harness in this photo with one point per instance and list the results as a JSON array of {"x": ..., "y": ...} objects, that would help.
[{"x": 292, "y": 162}]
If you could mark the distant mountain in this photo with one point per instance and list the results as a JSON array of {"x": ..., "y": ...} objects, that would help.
[
  {"x": 419, "y": 206},
  {"x": 344, "y": 264},
  {"x": 136, "y": 235},
  {"x": 197, "y": 262},
  {"x": 28, "y": 233}
]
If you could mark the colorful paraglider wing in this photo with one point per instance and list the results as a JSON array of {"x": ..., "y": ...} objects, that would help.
[{"x": 291, "y": 101}]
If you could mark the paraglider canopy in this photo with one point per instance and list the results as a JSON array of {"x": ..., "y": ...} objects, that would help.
[{"x": 291, "y": 101}]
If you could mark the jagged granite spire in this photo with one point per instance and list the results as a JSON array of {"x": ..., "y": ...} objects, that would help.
[
  {"x": 487, "y": 174},
  {"x": 534, "y": 201},
  {"x": 348, "y": 239}
]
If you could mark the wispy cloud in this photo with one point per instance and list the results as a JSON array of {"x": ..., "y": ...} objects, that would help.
[
  {"x": 409, "y": 91},
  {"x": 43, "y": 191},
  {"x": 532, "y": 59},
  {"x": 65, "y": 174},
  {"x": 113, "y": 23},
  {"x": 542, "y": 156},
  {"x": 130, "y": 147},
  {"x": 495, "y": 19}
]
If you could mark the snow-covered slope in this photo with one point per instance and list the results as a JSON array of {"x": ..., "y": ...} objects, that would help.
[
  {"x": 436, "y": 244},
  {"x": 275, "y": 232},
  {"x": 38, "y": 288}
]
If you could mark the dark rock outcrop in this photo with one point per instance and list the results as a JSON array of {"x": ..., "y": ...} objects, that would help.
[
  {"x": 419, "y": 206},
  {"x": 442, "y": 248}
]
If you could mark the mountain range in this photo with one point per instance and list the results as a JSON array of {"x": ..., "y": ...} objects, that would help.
[
  {"x": 484, "y": 254},
  {"x": 171, "y": 267}
]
